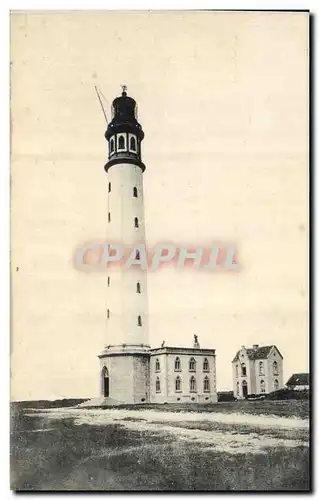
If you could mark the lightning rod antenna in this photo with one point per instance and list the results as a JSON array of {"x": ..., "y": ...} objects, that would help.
[{"x": 99, "y": 98}]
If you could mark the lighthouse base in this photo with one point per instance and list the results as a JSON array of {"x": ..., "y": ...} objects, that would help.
[{"x": 124, "y": 375}]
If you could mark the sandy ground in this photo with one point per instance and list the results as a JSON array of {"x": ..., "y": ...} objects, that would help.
[{"x": 233, "y": 433}]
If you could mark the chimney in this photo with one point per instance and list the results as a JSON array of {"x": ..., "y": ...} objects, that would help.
[{"x": 255, "y": 346}]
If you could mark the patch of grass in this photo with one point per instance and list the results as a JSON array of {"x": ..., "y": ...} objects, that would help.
[
  {"x": 133, "y": 419},
  {"x": 274, "y": 432},
  {"x": 291, "y": 408},
  {"x": 283, "y": 394},
  {"x": 45, "y": 403}
]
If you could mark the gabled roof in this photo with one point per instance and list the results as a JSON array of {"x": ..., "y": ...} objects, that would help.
[
  {"x": 257, "y": 353},
  {"x": 299, "y": 379}
]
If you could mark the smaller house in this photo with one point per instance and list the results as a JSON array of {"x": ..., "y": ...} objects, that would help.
[
  {"x": 257, "y": 370},
  {"x": 298, "y": 382}
]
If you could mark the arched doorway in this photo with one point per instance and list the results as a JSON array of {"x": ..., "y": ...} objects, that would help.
[
  {"x": 105, "y": 382},
  {"x": 245, "y": 388}
]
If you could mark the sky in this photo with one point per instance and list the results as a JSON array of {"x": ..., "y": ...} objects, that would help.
[{"x": 223, "y": 101}]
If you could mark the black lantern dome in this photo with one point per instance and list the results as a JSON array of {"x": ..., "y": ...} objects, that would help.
[{"x": 124, "y": 134}]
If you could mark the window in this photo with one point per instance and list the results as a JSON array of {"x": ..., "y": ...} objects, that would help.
[
  {"x": 262, "y": 386},
  {"x": 135, "y": 221},
  {"x": 133, "y": 144},
  {"x": 261, "y": 368},
  {"x": 158, "y": 385},
  {"x": 157, "y": 365},
  {"x": 205, "y": 365},
  {"x": 177, "y": 365},
  {"x": 243, "y": 370},
  {"x": 139, "y": 321},
  {"x": 109, "y": 217},
  {"x": 237, "y": 388},
  {"x": 192, "y": 365},
  {"x": 135, "y": 192},
  {"x": 108, "y": 281},
  {"x": 108, "y": 313},
  {"x": 276, "y": 385},
  {"x": 275, "y": 368},
  {"x": 138, "y": 288},
  {"x": 137, "y": 255},
  {"x": 192, "y": 384},
  {"x": 178, "y": 384},
  {"x": 109, "y": 187},
  {"x": 121, "y": 142},
  {"x": 206, "y": 384},
  {"x": 236, "y": 368},
  {"x": 112, "y": 145}
]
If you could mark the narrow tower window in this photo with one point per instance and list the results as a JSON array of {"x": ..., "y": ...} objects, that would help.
[
  {"x": 133, "y": 144},
  {"x": 139, "y": 321},
  {"x": 237, "y": 388},
  {"x": 109, "y": 217},
  {"x": 261, "y": 368},
  {"x": 275, "y": 368},
  {"x": 108, "y": 313},
  {"x": 243, "y": 370},
  {"x": 158, "y": 385},
  {"x": 109, "y": 187},
  {"x": 135, "y": 221},
  {"x": 157, "y": 365},
  {"x": 178, "y": 384},
  {"x": 135, "y": 192},
  {"x": 276, "y": 385},
  {"x": 206, "y": 384},
  {"x": 262, "y": 386},
  {"x": 138, "y": 288},
  {"x": 108, "y": 281},
  {"x": 112, "y": 145}
]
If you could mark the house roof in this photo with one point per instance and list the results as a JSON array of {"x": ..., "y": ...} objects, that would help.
[
  {"x": 257, "y": 353},
  {"x": 299, "y": 379}
]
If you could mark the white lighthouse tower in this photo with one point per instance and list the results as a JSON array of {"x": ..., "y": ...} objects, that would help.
[{"x": 124, "y": 362}]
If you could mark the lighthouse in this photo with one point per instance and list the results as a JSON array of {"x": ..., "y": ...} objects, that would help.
[
  {"x": 130, "y": 372},
  {"x": 124, "y": 361}
]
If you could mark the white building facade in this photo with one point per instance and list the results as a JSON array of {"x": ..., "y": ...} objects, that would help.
[
  {"x": 182, "y": 375},
  {"x": 257, "y": 370}
]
